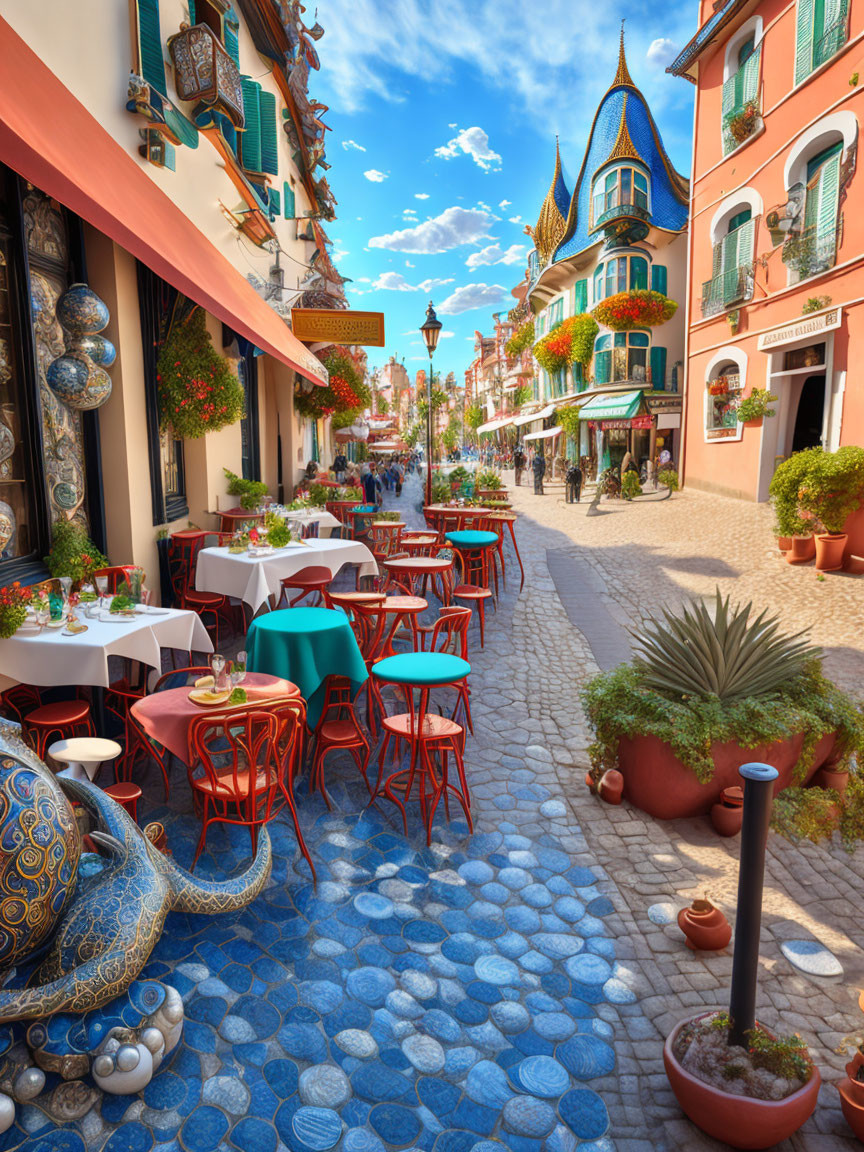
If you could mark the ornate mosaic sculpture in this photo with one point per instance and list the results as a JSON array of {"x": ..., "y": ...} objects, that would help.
[
  {"x": 101, "y": 920},
  {"x": 78, "y": 377}
]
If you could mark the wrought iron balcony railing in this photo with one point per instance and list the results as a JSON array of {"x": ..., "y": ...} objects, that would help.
[
  {"x": 808, "y": 254},
  {"x": 623, "y": 211},
  {"x": 733, "y": 286}
]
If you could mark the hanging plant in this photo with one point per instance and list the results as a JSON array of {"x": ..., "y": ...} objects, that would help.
[
  {"x": 640, "y": 308},
  {"x": 756, "y": 405},
  {"x": 741, "y": 123},
  {"x": 568, "y": 421},
  {"x": 521, "y": 339},
  {"x": 572, "y": 342},
  {"x": 198, "y": 392},
  {"x": 346, "y": 392}
]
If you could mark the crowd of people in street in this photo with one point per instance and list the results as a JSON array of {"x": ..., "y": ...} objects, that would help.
[{"x": 375, "y": 477}]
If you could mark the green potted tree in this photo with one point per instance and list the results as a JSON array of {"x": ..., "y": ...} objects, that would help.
[
  {"x": 794, "y": 532},
  {"x": 831, "y": 490}
]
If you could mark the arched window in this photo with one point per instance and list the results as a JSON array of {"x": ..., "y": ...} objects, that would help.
[
  {"x": 625, "y": 184},
  {"x": 811, "y": 246},
  {"x": 724, "y": 381},
  {"x": 733, "y": 234},
  {"x": 620, "y": 356},
  {"x": 740, "y": 100},
  {"x": 821, "y": 30}
]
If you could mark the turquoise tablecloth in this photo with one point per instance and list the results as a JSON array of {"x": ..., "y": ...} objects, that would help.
[{"x": 305, "y": 645}]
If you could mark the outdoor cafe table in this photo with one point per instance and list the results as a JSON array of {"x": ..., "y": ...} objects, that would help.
[
  {"x": 254, "y": 579},
  {"x": 49, "y": 658},
  {"x": 325, "y": 520},
  {"x": 165, "y": 717},
  {"x": 417, "y": 570},
  {"x": 474, "y": 513},
  {"x": 305, "y": 646},
  {"x": 404, "y": 611}
]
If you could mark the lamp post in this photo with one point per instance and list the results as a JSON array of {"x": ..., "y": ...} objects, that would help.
[{"x": 431, "y": 331}]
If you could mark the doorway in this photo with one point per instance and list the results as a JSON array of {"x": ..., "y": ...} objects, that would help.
[{"x": 809, "y": 417}]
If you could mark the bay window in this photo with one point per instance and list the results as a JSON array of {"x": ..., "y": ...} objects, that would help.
[
  {"x": 621, "y": 356},
  {"x": 620, "y": 274},
  {"x": 624, "y": 185}
]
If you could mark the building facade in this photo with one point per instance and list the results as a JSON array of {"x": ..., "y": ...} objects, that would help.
[
  {"x": 621, "y": 231},
  {"x": 776, "y": 246},
  {"x": 171, "y": 162}
]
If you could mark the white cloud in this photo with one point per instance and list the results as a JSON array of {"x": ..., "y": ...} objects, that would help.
[
  {"x": 515, "y": 219},
  {"x": 452, "y": 125},
  {"x": 349, "y": 144},
  {"x": 396, "y": 282},
  {"x": 661, "y": 52},
  {"x": 504, "y": 204},
  {"x": 362, "y": 280},
  {"x": 421, "y": 195},
  {"x": 375, "y": 176},
  {"x": 495, "y": 254},
  {"x": 445, "y": 335},
  {"x": 452, "y": 228},
  {"x": 473, "y": 142},
  {"x": 408, "y": 264},
  {"x": 471, "y": 296}
]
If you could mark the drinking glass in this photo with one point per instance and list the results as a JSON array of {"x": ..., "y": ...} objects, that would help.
[
  {"x": 217, "y": 667},
  {"x": 101, "y": 588},
  {"x": 239, "y": 669},
  {"x": 43, "y": 615}
]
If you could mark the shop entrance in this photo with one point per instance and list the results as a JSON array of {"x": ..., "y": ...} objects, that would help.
[{"x": 808, "y": 419}]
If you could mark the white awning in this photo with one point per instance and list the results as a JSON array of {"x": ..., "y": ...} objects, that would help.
[
  {"x": 541, "y": 415},
  {"x": 545, "y": 434},
  {"x": 494, "y": 425}
]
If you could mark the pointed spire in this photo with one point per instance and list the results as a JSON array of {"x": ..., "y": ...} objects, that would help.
[
  {"x": 622, "y": 76},
  {"x": 550, "y": 224},
  {"x": 623, "y": 148}
]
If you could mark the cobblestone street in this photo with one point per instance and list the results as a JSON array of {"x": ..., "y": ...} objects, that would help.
[{"x": 610, "y": 569}]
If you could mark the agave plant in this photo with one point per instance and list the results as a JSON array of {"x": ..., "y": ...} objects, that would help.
[{"x": 726, "y": 654}]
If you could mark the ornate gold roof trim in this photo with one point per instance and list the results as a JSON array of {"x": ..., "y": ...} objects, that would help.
[
  {"x": 622, "y": 76},
  {"x": 623, "y": 148},
  {"x": 551, "y": 225}
]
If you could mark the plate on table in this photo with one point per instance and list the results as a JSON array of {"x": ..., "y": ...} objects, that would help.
[
  {"x": 206, "y": 698},
  {"x": 151, "y": 610},
  {"x": 116, "y": 617},
  {"x": 56, "y": 624}
]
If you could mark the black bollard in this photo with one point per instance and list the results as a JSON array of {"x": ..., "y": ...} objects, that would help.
[{"x": 758, "y": 796}]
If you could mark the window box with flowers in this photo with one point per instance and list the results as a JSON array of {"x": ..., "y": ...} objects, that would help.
[
  {"x": 741, "y": 122},
  {"x": 639, "y": 308},
  {"x": 14, "y": 600},
  {"x": 572, "y": 342}
]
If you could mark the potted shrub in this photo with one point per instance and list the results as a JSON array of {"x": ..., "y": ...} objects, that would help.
[
  {"x": 791, "y": 528},
  {"x": 249, "y": 491},
  {"x": 13, "y": 608},
  {"x": 706, "y": 690},
  {"x": 668, "y": 477},
  {"x": 73, "y": 553},
  {"x": 753, "y": 408},
  {"x": 831, "y": 490}
]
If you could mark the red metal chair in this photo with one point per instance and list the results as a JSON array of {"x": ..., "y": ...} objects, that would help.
[
  {"x": 312, "y": 580},
  {"x": 177, "y": 678},
  {"x": 384, "y": 538},
  {"x": 473, "y": 587},
  {"x": 60, "y": 720},
  {"x": 339, "y": 728},
  {"x": 182, "y": 560},
  {"x": 244, "y": 766}
]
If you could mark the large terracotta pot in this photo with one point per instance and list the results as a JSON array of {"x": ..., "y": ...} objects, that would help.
[
  {"x": 737, "y": 1120},
  {"x": 706, "y": 928},
  {"x": 853, "y": 1108},
  {"x": 802, "y": 551},
  {"x": 784, "y": 543},
  {"x": 829, "y": 551},
  {"x": 656, "y": 781}
]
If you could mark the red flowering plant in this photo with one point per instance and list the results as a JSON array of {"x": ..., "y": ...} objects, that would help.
[
  {"x": 346, "y": 395},
  {"x": 572, "y": 342},
  {"x": 13, "y": 608},
  {"x": 198, "y": 392},
  {"x": 640, "y": 308}
]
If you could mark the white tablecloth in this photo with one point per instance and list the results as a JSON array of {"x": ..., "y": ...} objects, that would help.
[
  {"x": 254, "y": 578},
  {"x": 48, "y": 658},
  {"x": 326, "y": 520}
]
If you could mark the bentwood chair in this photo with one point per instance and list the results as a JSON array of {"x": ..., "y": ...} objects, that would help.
[
  {"x": 338, "y": 728},
  {"x": 182, "y": 561}
]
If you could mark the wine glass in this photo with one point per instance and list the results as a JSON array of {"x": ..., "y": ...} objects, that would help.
[
  {"x": 43, "y": 614},
  {"x": 238, "y": 670},
  {"x": 101, "y": 588},
  {"x": 217, "y": 667}
]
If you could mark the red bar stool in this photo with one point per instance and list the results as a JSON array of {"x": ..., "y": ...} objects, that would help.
[
  {"x": 449, "y": 633},
  {"x": 312, "y": 580},
  {"x": 419, "y": 543},
  {"x": 64, "y": 719},
  {"x": 432, "y": 739},
  {"x": 474, "y": 550},
  {"x": 127, "y": 796}
]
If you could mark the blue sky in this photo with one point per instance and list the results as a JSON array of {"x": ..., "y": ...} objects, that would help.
[{"x": 444, "y": 115}]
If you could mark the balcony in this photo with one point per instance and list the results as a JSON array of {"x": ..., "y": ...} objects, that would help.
[
  {"x": 733, "y": 286},
  {"x": 623, "y": 223},
  {"x": 741, "y": 107},
  {"x": 808, "y": 254},
  {"x": 624, "y": 211},
  {"x": 205, "y": 74}
]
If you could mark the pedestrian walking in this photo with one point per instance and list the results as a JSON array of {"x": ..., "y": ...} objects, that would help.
[
  {"x": 539, "y": 469},
  {"x": 340, "y": 466},
  {"x": 519, "y": 465},
  {"x": 574, "y": 483}
]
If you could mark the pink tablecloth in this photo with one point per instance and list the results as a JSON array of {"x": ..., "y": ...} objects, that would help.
[{"x": 166, "y": 716}]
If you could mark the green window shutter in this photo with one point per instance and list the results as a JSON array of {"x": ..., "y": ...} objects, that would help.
[
  {"x": 658, "y": 368},
  {"x": 288, "y": 208},
  {"x": 826, "y": 220},
  {"x": 275, "y": 202},
  {"x": 746, "y": 237},
  {"x": 269, "y": 139},
  {"x": 250, "y": 138},
  {"x": 749, "y": 72},
  {"x": 150, "y": 56},
  {"x": 580, "y": 297},
  {"x": 192, "y": 19},
  {"x": 659, "y": 280},
  {"x": 230, "y": 29},
  {"x": 729, "y": 246},
  {"x": 602, "y": 367},
  {"x": 728, "y": 101},
  {"x": 638, "y": 272},
  {"x": 804, "y": 33}
]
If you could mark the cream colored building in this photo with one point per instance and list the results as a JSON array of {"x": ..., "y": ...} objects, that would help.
[{"x": 147, "y": 148}]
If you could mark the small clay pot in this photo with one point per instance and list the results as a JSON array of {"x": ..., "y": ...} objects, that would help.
[
  {"x": 853, "y": 1086},
  {"x": 732, "y": 797},
  {"x": 802, "y": 551},
  {"x": 829, "y": 551},
  {"x": 611, "y": 786},
  {"x": 706, "y": 928},
  {"x": 829, "y": 778},
  {"x": 727, "y": 819},
  {"x": 784, "y": 543},
  {"x": 852, "y": 1105}
]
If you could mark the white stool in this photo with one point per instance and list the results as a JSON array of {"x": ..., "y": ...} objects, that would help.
[{"x": 84, "y": 755}]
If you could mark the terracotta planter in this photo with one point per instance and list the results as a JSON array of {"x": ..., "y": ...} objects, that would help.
[
  {"x": 829, "y": 551},
  {"x": 611, "y": 786},
  {"x": 737, "y": 1120},
  {"x": 829, "y": 778},
  {"x": 706, "y": 928},
  {"x": 854, "y": 1088},
  {"x": 784, "y": 543},
  {"x": 727, "y": 818},
  {"x": 656, "y": 781},
  {"x": 855, "y": 564},
  {"x": 753, "y": 423},
  {"x": 853, "y": 1107},
  {"x": 802, "y": 551}
]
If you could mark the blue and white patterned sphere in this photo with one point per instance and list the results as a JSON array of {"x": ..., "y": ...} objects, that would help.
[
  {"x": 67, "y": 376},
  {"x": 81, "y": 311}
]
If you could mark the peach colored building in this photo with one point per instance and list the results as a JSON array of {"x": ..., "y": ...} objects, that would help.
[{"x": 776, "y": 237}]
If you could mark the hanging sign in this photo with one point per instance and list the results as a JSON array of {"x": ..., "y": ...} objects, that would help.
[
  {"x": 633, "y": 422},
  {"x": 335, "y": 326}
]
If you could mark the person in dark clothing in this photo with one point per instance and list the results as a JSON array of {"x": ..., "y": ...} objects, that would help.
[
  {"x": 519, "y": 465},
  {"x": 311, "y": 470},
  {"x": 340, "y": 466},
  {"x": 370, "y": 493},
  {"x": 539, "y": 469},
  {"x": 574, "y": 483}
]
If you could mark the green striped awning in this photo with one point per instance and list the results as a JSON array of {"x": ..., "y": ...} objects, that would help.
[{"x": 611, "y": 406}]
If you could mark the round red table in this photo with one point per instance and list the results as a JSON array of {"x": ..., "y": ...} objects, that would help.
[{"x": 418, "y": 569}]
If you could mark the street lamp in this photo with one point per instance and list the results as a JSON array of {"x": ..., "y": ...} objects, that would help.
[{"x": 431, "y": 331}]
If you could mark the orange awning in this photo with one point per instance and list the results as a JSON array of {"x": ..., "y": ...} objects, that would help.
[{"x": 49, "y": 138}]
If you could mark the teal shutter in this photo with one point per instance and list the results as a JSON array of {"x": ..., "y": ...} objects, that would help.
[
  {"x": 602, "y": 367},
  {"x": 230, "y": 29},
  {"x": 749, "y": 73},
  {"x": 275, "y": 202},
  {"x": 658, "y": 368},
  {"x": 826, "y": 219},
  {"x": 250, "y": 139},
  {"x": 580, "y": 297},
  {"x": 659, "y": 279},
  {"x": 746, "y": 238},
  {"x": 638, "y": 273},
  {"x": 804, "y": 33},
  {"x": 150, "y": 56},
  {"x": 288, "y": 209},
  {"x": 717, "y": 259},
  {"x": 269, "y": 140},
  {"x": 192, "y": 19}
]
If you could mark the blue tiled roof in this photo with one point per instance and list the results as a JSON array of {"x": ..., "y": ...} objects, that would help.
[
  {"x": 668, "y": 209},
  {"x": 560, "y": 195}
]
